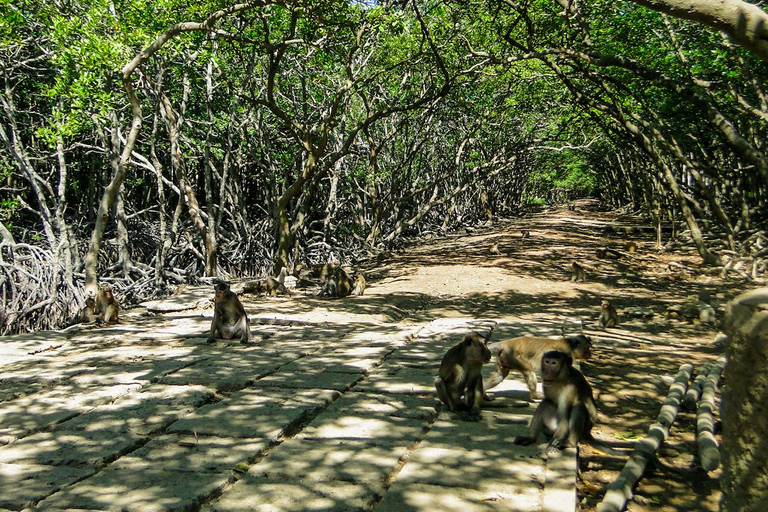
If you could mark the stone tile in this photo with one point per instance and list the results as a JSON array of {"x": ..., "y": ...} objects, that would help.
[
  {"x": 70, "y": 448},
  {"x": 144, "y": 413},
  {"x": 254, "y": 494},
  {"x": 149, "y": 490},
  {"x": 190, "y": 453},
  {"x": 402, "y": 406},
  {"x": 23, "y": 484},
  {"x": 413, "y": 497},
  {"x": 42, "y": 410},
  {"x": 317, "y": 379},
  {"x": 342, "y": 425},
  {"x": 397, "y": 379},
  {"x": 255, "y": 413},
  {"x": 332, "y": 459}
]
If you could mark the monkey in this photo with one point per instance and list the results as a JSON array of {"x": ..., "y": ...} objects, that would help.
[
  {"x": 335, "y": 281},
  {"x": 568, "y": 409},
  {"x": 524, "y": 355},
  {"x": 704, "y": 296},
  {"x": 630, "y": 247},
  {"x": 608, "y": 253},
  {"x": 359, "y": 285},
  {"x": 608, "y": 316},
  {"x": 229, "y": 318},
  {"x": 577, "y": 272},
  {"x": 270, "y": 285},
  {"x": 88, "y": 315},
  {"x": 106, "y": 308},
  {"x": 494, "y": 249},
  {"x": 460, "y": 376},
  {"x": 525, "y": 233},
  {"x": 326, "y": 271}
]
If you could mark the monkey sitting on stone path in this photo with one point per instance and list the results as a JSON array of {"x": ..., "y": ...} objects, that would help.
[
  {"x": 229, "y": 318},
  {"x": 459, "y": 383},
  {"x": 568, "y": 409}
]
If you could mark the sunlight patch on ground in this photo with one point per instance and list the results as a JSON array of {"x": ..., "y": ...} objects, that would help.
[{"x": 461, "y": 280}]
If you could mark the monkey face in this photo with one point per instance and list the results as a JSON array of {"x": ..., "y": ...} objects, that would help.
[
  {"x": 553, "y": 364},
  {"x": 581, "y": 346},
  {"x": 477, "y": 348},
  {"x": 90, "y": 302}
]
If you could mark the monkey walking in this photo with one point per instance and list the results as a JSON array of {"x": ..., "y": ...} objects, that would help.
[
  {"x": 459, "y": 383},
  {"x": 608, "y": 316},
  {"x": 229, "y": 318},
  {"x": 524, "y": 355},
  {"x": 270, "y": 286}
]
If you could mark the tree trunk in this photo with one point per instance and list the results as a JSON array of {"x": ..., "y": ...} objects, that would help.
[{"x": 744, "y": 481}]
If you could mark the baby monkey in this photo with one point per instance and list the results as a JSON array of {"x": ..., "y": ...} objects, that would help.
[
  {"x": 459, "y": 383},
  {"x": 608, "y": 316},
  {"x": 577, "y": 273},
  {"x": 359, "y": 285},
  {"x": 88, "y": 315}
]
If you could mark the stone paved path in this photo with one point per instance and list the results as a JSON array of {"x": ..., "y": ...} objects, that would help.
[{"x": 328, "y": 411}]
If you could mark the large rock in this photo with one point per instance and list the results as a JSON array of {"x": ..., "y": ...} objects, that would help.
[{"x": 745, "y": 404}]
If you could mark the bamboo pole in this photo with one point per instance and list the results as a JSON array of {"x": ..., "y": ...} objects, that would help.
[
  {"x": 620, "y": 491},
  {"x": 709, "y": 450}
]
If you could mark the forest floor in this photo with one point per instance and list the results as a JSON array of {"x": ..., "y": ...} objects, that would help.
[{"x": 632, "y": 365}]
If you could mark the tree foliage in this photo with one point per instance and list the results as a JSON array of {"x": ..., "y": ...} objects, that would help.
[{"x": 154, "y": 143}]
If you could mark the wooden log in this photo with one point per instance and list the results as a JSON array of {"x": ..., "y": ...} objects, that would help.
[
  {"x": 620, "y": 490},
  {"x": 709, "y": 450}
]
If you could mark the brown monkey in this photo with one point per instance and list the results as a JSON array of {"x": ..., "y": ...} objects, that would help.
[
  {"x": 326, "y": 271},
  {"x": 608, "y": 316},
  {"x": 568, "y": 409},
  {"x": 229, "y": 318},
  {"x": 335, "y": 281},
  {"x": 359, "y": 285},
  {"x": 270, "y": 285},
  {"x": 459, "y": 383},
  {"x": 106, "y": 305},
  {"x": 525, "y": 233},
  {"x": 608, "y": 253},
  {"x": 577, "y": 272},
  {"x": 524, "y": 355},
  {"x": 494, "y": 249},
  {"x": 630, "y": 247},
  {"x": 88, "y": 315}
]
